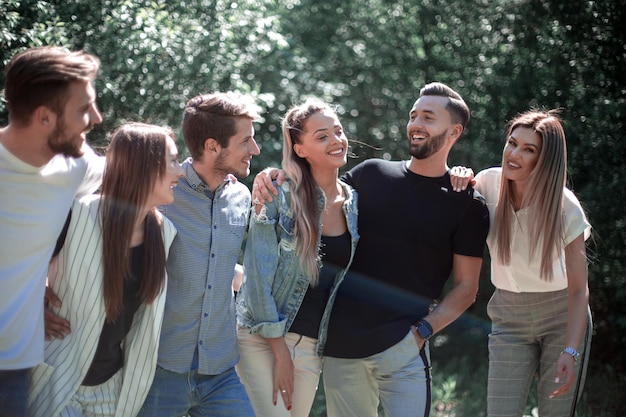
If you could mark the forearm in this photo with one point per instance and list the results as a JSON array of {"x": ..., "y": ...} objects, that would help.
[
  {"x": 459, "y": 299},
  {"x": 577, "y": 291},
  {"x": 466, "y": 273},
  {"x": 260, "y": 265},
  {"x": 577, "y": 306},
  {"x": 278, "y": 347}
]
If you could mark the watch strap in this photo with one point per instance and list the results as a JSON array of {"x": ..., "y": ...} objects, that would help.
[
  {"x": 424, "y": 329},
  {"x": 571, "y": 351}
]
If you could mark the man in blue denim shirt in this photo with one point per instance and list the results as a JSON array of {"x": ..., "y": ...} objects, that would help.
[{"x": 198, "y": 347}]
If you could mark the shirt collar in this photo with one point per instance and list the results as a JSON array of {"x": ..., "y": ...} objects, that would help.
[{"x": 196, "y": 182}]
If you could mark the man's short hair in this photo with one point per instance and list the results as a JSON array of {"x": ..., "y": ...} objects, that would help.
[
  {"x": 456, "y": 105},
  {"x": 41, "y": 77},
  {"x": 214, "y": 116}
]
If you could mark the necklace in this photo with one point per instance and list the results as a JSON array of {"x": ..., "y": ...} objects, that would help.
[{"x": 334, "y": 200}]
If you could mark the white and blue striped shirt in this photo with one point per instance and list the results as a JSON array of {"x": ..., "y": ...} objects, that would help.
[{"x": 78, "y": 281}]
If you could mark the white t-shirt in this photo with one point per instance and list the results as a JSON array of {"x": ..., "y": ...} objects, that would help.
[
  {"x": 34, "y": 203},
  {"x": 523, "y": 274}
]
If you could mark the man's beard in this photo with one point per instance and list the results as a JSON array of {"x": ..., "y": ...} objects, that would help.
[
  {"x": 429, "y": 148},
  {"x": 221, "y": 165},
  {"x": 59, "y": 143}
]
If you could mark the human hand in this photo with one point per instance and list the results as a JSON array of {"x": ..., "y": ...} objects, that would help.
[
  {"x": 283, "y": 377},
  {"x": 420, "y": 342},
  {"x": 564, "y": 371},
  {"x": 54, "y": 326},
  {"x": 461, "y": 177},
  {"x": 262, "y": 189},
  {"x": 238, "y": 277}
]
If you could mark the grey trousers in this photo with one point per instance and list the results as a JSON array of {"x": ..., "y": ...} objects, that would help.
[
  {"x": 398, "y": 377},
  {"x": 527, "y": 337}
]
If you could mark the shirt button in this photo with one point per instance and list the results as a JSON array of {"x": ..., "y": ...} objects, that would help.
[
  {"x": 212, "y": 255},
  {"x": 206, "y": 314},
  {"x": 200, "y": 342},
  {"x": 209, "y": 286}
]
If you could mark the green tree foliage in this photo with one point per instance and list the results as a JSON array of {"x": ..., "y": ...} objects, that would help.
[
  {"x": 370, "y": 57},
  {"x": 155, "y": 56},
  {"x": 160, "y": 55}
]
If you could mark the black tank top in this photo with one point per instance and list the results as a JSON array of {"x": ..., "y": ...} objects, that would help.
[{"x": 335, "y": 254}]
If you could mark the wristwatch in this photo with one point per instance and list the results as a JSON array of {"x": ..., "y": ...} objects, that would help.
[
  {"x": 424, "y": 329},
  {"x": 573, "y": 352}
]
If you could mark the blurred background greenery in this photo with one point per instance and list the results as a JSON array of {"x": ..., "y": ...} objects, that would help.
[{"x": 370, "y": 57}]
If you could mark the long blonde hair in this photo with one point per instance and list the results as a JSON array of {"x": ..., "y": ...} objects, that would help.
[
  {"x": 304, "y": 190},
  {"x": 545, "y": 197}
]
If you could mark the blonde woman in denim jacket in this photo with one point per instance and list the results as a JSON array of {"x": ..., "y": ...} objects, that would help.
[{"x": 299, "y": 248}]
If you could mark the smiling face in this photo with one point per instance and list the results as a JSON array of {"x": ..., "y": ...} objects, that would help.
[
  {"x": 428, "y": 127},
  {"x": 235, "y": 158},
  {"x": 163, "y": 190},
  {"x": 521, "y": 154},
  {"x": 323, "y": 142},
  {"x": 79, "y": 116}
]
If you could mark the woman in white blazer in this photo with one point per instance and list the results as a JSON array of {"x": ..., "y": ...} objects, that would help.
[{"x": 111, "y": 278}]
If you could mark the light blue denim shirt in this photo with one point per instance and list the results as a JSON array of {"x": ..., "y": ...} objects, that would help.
[
  {"x": 199, "y": 324},
  {"x": 274, "y": 283}
]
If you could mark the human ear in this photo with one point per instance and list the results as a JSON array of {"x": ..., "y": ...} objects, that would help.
[
  {"x": 44, "y": 116},
  {"x": 211, "y": 145},
  {"x": 299, "y": 151},
  {"x": 457, "y": 129}
]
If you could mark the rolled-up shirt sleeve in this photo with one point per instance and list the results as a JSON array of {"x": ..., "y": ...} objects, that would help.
[{"x": 260, "y": 264}]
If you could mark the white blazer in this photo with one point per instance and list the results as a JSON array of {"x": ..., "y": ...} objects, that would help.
[{"x": 78, "y": 282}]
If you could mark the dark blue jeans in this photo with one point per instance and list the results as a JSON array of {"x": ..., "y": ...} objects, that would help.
[
  {"x": 173, "y": 394},
  {"x": 13, "y": 392}
]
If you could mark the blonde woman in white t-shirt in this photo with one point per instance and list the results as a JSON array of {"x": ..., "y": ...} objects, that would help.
[{"x": 539, "y": 309}]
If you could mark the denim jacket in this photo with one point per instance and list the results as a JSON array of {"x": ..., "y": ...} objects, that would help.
[{"x": 274, "y": 284}]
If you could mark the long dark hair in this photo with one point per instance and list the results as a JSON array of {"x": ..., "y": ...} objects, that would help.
[{"x": 135, "y": 161}]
